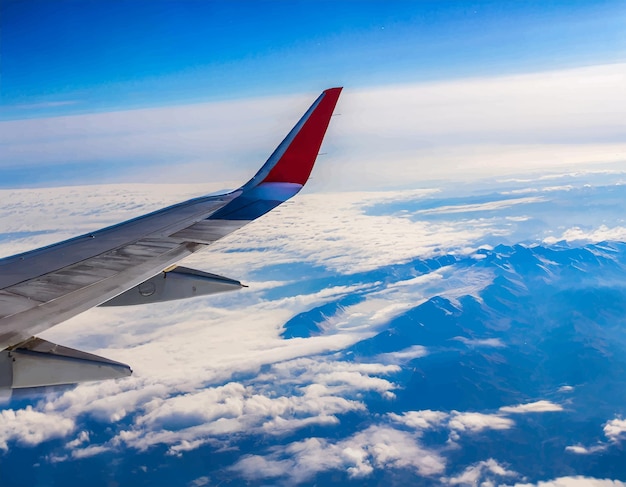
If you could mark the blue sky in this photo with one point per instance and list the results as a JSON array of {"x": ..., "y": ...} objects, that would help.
[
  {"x": 84, "y": 56},
  {"x": 203, "y": 91}
]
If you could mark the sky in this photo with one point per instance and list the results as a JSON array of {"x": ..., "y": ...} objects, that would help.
[
  {"x": 101, "y": 55},
  {"x": 100, "y": 91}
]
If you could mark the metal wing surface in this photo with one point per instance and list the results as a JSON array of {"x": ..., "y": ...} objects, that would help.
[{"x": 46, "y": 286}]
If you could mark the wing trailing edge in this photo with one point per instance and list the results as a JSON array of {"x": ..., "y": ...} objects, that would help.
[{"x": 39, "y": 363}]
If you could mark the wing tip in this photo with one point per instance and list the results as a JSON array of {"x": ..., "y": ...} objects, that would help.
[
  {"x": 333, "y": 92},
  {"x": 295, "y": 163}
]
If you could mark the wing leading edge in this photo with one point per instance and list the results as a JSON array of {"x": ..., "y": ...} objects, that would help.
[{"x": 44, "y": 287}]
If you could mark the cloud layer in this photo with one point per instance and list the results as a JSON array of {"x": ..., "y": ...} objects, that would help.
[{"x": 388, "y": 137}]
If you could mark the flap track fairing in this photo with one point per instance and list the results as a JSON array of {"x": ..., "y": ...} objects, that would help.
[{"x": 178, "y": 283}]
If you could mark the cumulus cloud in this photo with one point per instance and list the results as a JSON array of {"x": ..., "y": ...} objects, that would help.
[
  {"x": 532, "y": 407},
  {"x": 377, "y": 447},
  {"x": 615, "y": 432},
  {"x": 83, "y": 437},
  {"x": 420, "y": 420},
  {"x": 316, "y": 391},
  {"x": 457, "y": 423},
  {"x": 484, "y": 473},
  {"x": 89, "y": 451},
  {"x": 615, "y": 429},
  {"x": 29, "y": 427},
  {"x": 475, "y": 422}
]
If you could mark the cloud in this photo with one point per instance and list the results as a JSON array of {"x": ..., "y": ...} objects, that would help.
[
  {"x": 405, "y": 355},
  {"x": 599, "y": 234},
  {"x": 481, "y": 342},
  {"x": 29, "y": 427},
  {"x": 377, "y": 447},
  {"x": 483, "y": 473},
  {"x": 211, "y": 371},
  {"x": 458, "y": 423},
  {"x": 387, "y": 137},
  {"x": 420, "y": 420},
  {"x": 164, "y": 390},
  {"x": 336, "y": 233},
  {"x": 576, "y": 481},
  {"x": 491, "y": 206},
  {"x": 180, "y": 352},
  {"x": 289, "y": 396},
  {"x": 532, "y": 407},
  {"x": 200, "y": 481},
  {"x": 476, "y": 422},
  {"x": 83, "y": 437},
  {"x": 586, "y": 450},
  {"x": 89, "y": 451},
  {"x": 615, "y": 429},
  {"x": 615, "y": 432}
]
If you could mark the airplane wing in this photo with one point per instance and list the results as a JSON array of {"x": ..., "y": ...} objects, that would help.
[{"x": 134, "y": 262}]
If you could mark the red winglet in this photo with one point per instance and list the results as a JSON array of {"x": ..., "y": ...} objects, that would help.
[{"x": 296, "y": 163}]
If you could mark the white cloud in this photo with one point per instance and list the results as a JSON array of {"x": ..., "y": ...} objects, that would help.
[
  {"x": 420, "y": 420},
  {"x": 586, "y": 450},
  {"x": 475, "y": 422},
  {"x": 483, "y": 473},
  {"x": 89, "y": 451},
  {"x": 316, "y": 391},
  {"x": 465, "y": 127},
  {"x": 29, "y": 427},
  {"x": 377, "y": 447},
  {"x": 490, "y": 206},
  {"x": 83, "y": 437},
  {"x": 481, "y": 342},
  {"x": 390, "y": 136},
  {"x": 200, "y": 481},
  {"x": 351, "y": 240},
  {"x": 404, "y": 355},
  {"x": 598, "y": 234},
  {"x": 615, "y": 432},
  {"x": 576, "y": 481},
  {"x": 532, "y": 407},
  {"x": 615, "y": 429}
]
